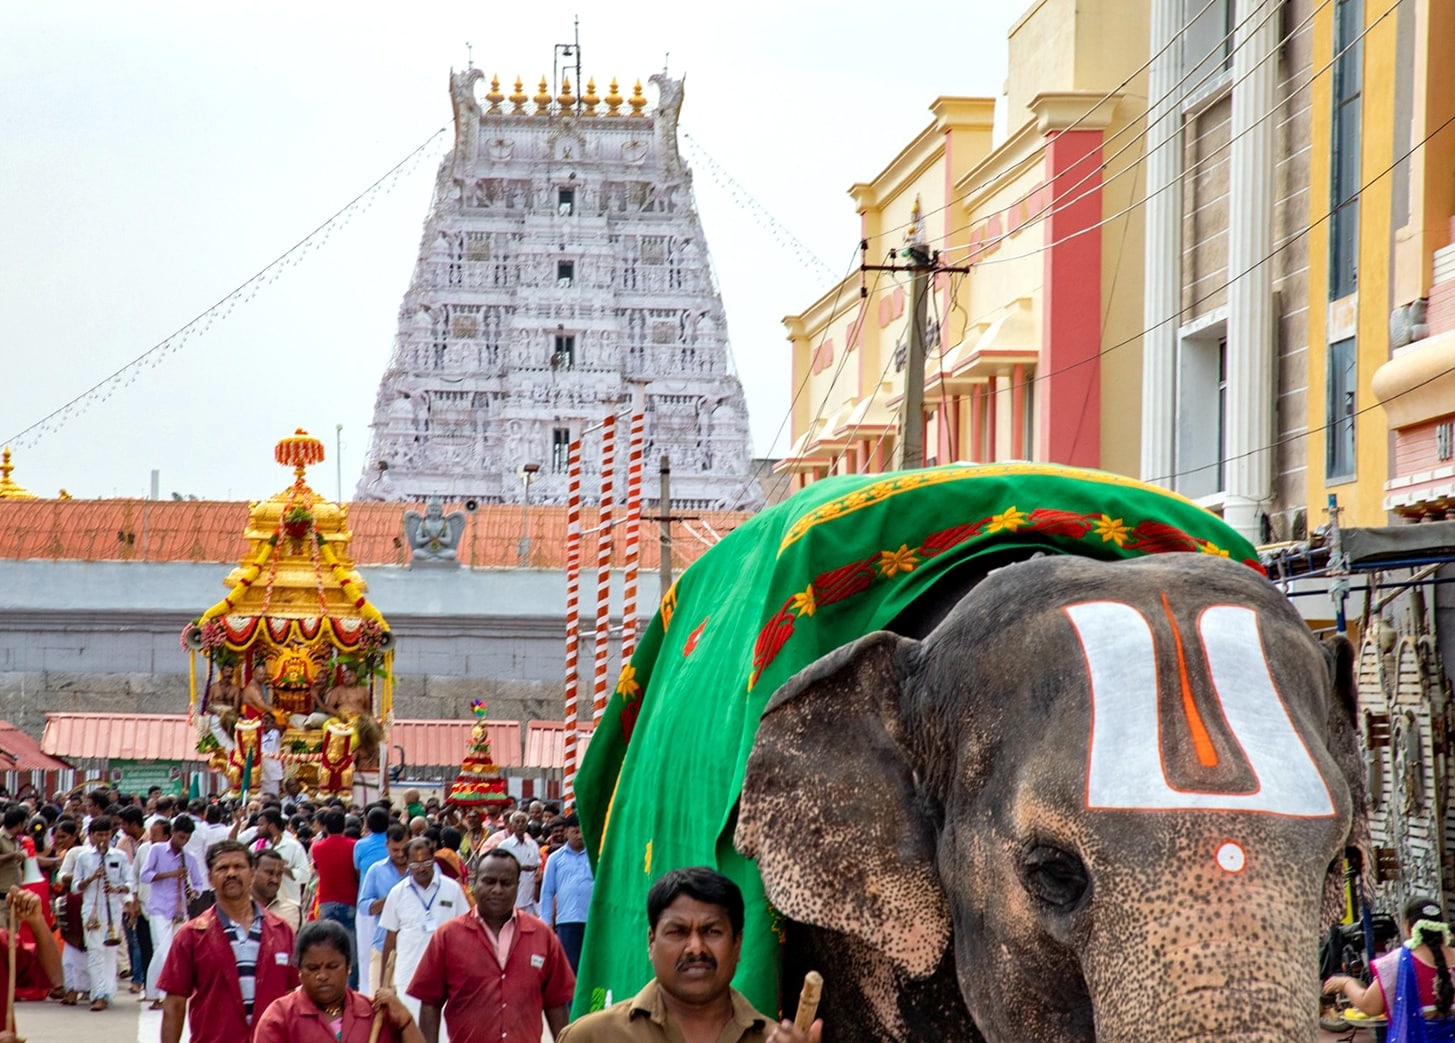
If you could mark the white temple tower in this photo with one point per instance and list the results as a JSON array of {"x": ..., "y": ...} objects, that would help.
[{"x": 562, "y": 270}]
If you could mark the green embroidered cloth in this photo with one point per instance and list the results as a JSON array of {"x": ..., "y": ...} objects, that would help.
[{"x": 840, "y": 559}]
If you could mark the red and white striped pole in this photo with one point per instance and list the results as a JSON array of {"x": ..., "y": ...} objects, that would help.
[
  {"x": 633, "y": 528},
  {"x": 573, "y": 618},
  {"x": 603, "y": 570}
]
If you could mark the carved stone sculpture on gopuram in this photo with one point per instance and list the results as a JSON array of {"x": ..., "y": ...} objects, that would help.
[{"x": 562, "y": 271}]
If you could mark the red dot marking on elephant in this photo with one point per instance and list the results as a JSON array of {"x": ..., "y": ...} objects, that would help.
[{"x": 1231, "y": 858}]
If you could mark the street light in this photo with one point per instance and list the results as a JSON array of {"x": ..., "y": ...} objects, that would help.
[{"x": 527, "y": 474}]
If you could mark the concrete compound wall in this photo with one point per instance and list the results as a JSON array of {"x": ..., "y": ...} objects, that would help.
[{"x": 105, "y": 637}]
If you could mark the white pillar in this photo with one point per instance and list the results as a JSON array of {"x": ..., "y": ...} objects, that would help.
[
  {"x": 1252, "y": 378},
  {"x": 1162, "y": 297}
]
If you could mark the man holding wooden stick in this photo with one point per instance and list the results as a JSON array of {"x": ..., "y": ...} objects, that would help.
[
  {"x": 694, "y": 937},
  {"x": 26, "y": 965}
]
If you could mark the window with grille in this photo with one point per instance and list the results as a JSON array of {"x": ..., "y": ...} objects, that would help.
[
  {"x": 1344, "y": 165},
  {"x": 1207, "y": 42},
  {"x": 1343, "y": 373},
  {"x": 1445, "y": 440},
  {"x": 564, "y": 357},
  {"x": 560, "y": 448}
]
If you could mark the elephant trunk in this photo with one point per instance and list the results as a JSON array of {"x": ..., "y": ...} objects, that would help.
[{"x": 1200, "y": 993}]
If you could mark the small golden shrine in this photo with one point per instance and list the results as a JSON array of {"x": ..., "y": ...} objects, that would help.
[
  {"x": 9, "y": 488},
  {"x": 299, "y": 663}
]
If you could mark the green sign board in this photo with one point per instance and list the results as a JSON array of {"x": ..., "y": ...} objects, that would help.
[{"x": 140, "y": 776}]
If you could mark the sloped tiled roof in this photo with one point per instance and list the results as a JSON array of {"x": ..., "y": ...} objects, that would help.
[
  {"x": 19, "y": 752},
  {"x": 168, "y": 737},
  {"x": 441, "y": 743},
  {"x": 211, "y": 530},
  {"x": 545, "y": 744}
]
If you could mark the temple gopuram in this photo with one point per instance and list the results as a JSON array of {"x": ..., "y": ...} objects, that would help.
[{"x": 562, "y": 272}]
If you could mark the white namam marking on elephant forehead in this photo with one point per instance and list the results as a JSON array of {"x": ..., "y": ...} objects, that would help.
[{"x": 1125, "y": 763}]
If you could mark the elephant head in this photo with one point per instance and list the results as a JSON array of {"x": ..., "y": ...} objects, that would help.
[{"x": 1104, "y": 800}]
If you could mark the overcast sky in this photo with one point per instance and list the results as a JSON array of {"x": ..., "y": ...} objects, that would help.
[{"x": 157, "y": 155}]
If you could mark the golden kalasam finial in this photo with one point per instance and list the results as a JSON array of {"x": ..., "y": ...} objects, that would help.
[
  {"x": 298, "y": 450},
  {"x": 566, "y": 99},
  {"x": 637, "y": 101},
  {"x": 10, "y": 490},
  {"x": 542, "y": 99},
  {"x": 913, "y": 229},
  {"x": 518, "y": 99},
  {"x": 589, "y": 99},
  {"x": 494, "y": 97},
  {"x": 613, "y": 99}
]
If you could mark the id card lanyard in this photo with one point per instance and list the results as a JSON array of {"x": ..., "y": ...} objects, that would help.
[{"x": 429, "y": 924}]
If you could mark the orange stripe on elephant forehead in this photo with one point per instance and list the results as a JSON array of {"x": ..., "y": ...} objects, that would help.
[{"x": 1207, "y": 756}]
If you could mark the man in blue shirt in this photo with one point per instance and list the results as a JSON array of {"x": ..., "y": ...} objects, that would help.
[
  {"x": 378, "y": 880},
  {"x": 371, "y": 848},
  {"x": 566, "y": 890}
]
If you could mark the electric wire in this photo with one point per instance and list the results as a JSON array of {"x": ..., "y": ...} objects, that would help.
[
  {"x": 162, "y": 347},
  {"x": 1186, "y": 175},
  {"x": 1212, "y": 292}
]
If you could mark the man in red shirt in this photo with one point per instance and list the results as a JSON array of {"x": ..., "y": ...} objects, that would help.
[
  {"x": 231, "y": 962},
  {"x": 496, "y": 971},
  {"x": 338, "y": 881}
]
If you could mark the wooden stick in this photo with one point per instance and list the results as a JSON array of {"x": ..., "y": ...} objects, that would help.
[
  {"x": 13, "y": 941},
  {"x": 808, "y": 1001},
  {"x": 385, "y": 981}
]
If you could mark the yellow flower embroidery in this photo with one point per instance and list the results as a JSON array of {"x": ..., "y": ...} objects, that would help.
[
  {"x": 627, "y": 685},
  {"x": 804, "y": 604},
  {"x": 1008, "y": 520},
  {"x": 1111, "y": 530},
  {"x": 1210, "y": 548},
  {"x": 647, "y": 860},
  {"x": 896, "y": 561}
]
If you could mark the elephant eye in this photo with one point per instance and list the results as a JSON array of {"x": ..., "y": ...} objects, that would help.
[{"x": 1053, "y": 876}]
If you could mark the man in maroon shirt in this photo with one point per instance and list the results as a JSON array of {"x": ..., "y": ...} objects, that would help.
[
  {"x": 496, "y": 971},
  {"x": 338, "y": 881},
  {"x": 231, "y": 962}
]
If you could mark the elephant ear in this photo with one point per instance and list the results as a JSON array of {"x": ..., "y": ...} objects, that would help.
[
  {"x": 1344, "y": 745},
  {"x": 830, "y": 811}
]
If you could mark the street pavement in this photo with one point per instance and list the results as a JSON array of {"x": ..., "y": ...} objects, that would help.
[{"x": 49, "y": 1022}]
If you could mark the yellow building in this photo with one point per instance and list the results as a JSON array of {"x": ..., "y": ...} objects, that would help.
[
  {"x": 1021, "y": 359},
  {"x": 1410, "y": 354},
  {"x": 1361, "y": 114}
]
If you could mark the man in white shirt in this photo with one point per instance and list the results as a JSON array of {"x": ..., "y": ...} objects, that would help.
[
  {"x": 415, "y": 907},
  {"x": 528, "y": 853},
  {"x": 296, "y": 869},
  {"x": 103, "y": 879}
]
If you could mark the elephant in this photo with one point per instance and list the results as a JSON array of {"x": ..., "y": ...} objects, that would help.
[{"x": 1069, "y": 800}]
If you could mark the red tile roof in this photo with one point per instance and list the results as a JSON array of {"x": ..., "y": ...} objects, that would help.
[
  {"x": 211, "y": 530},
  {"x": 19, "y": 752},
  {"x": 444, "y": 742},
  {"x": 545, "y": 744},
  {"x": 120, "y": 736},
  {"x": 167, "y": 736}
]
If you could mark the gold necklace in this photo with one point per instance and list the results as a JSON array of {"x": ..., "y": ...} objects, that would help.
[{"x": 334, "y": 1011}]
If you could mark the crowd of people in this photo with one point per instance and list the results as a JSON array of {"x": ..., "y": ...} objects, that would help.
[{"x": 285, "y": 918}]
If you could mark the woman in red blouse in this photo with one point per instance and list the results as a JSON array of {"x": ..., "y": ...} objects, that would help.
[{"x": 323, "y": 1008}]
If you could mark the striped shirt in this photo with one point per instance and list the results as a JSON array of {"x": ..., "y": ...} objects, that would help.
[{"x": 245, "y": 945}]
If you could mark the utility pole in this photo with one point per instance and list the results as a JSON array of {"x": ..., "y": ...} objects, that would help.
[{"x": 923, "y": 265}]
